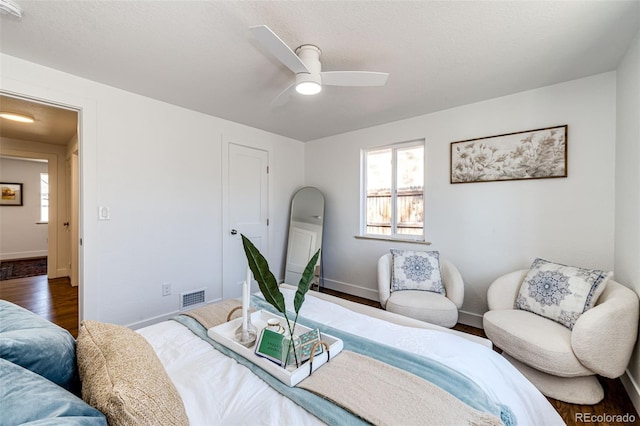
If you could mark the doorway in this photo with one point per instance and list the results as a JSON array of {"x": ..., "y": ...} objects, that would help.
[{"x": 52, "y": 136}]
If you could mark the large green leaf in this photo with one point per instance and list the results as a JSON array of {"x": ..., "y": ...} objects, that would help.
[
  {"x": 266, "y": 281},
  {"x": 305, "y": 282}
]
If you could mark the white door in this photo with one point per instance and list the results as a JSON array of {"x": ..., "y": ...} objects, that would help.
[{"x": 245, "y": 212}]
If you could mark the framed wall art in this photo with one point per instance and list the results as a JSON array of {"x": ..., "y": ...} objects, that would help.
[
  {"x": 532, "y": 154},
  {"x": 11, "y": 194}
]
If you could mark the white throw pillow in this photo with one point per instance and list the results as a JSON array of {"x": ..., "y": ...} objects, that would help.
[
  {"x": 416, "y": 270},
  {"x": 559, "y": 292}
]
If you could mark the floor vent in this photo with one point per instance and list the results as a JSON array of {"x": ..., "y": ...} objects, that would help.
[{"x": 191, "y": 298}]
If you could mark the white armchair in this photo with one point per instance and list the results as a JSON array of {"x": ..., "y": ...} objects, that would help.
[
  {"x": 423, "y": 305},
  {"x": 563, "y": 362}
]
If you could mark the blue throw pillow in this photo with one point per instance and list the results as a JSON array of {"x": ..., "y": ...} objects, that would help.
[
  {"x": 559, "y": 292},
  {"x": 36, "y": 344},
  {"x": 416, "y": 270},
  {"x": 28, "y": 398}
]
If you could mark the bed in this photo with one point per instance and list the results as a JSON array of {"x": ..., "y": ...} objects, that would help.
[
  {"x": 215, "y": 389},
  {"x": 166, "y": 374}
]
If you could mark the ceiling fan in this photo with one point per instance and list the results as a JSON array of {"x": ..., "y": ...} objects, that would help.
[{"x": 305, "y": 63}]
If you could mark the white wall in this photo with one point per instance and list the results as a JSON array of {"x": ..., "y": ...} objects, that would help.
[
  {"x": 486, "y": 229},
  {"x": 627, "y": 203},
  {"x": 158, "y": 168},
  {"x": 22, "y": 235}
]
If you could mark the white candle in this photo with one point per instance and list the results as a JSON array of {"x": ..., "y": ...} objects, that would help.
[
  {"x": 248, "y": 288},
  {"x": 245, "y": 306}
]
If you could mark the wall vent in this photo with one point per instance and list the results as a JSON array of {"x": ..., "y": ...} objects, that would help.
[{"x": 191, "y": 298}]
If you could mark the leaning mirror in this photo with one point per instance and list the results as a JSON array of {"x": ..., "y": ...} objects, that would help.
[{"x": 305, "y": 234}]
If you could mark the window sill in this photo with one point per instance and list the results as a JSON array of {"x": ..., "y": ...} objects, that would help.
[
  {"x": 395, "y": 240},
  {"x": 42, "y": 223}
]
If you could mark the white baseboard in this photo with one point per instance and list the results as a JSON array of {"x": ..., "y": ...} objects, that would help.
[
  {"x": 153, "y": 320},
  {"x": 354, "y": 290},
  {"x": 60, "y": 273},
  {"x": 469, "y": 318},
  {"x": 632, "y": 388},
  {"x": 165, "y": 317},
  {"x": 23, "y": 254}
]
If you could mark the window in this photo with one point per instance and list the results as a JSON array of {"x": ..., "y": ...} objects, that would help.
[
  {"x": 393, "y": 195},
  {"x": 44, "y": 197}
]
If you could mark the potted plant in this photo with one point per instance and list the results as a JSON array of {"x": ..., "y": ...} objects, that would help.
[{"x": 270, "y": 289}]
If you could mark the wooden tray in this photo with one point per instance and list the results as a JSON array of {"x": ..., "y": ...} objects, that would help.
[{"x": 291, "y": 376}]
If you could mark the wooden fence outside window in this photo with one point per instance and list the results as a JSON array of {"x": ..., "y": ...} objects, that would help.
[{"x": 410, "y": 211}]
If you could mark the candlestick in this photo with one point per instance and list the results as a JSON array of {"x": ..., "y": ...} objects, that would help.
[
  {"x": 246, "y": 332},
  {"x": 245, "y": 305}
]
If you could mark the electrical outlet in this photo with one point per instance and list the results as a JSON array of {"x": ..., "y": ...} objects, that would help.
[{"x": 166, "y": 289}]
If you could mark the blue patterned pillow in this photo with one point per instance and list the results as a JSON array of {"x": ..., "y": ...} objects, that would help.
[
  {"x": 416, "y": 270},
  {"x": 559, "y": 292}
]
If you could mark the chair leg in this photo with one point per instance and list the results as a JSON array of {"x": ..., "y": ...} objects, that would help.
[{"x": 585, "y": 390}]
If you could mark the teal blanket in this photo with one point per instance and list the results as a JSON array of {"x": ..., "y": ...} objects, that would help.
[{"x": 435, "y": 372}]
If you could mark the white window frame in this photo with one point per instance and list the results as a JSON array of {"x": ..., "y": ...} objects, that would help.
[{"x": 363, "y": 192}]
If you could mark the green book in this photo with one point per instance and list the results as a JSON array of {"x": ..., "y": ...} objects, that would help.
[
  {"x": 270, "y": 346},
  {"x": 307, "y": 340}
]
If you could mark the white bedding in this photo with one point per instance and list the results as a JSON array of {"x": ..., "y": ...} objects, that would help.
[{"x": 218, "y": 391}]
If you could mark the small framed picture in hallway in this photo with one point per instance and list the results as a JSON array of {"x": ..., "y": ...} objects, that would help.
[{"x": 11, "y": 194}]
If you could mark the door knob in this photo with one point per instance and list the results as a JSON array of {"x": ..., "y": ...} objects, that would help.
[{"x": 234, "y": 232}]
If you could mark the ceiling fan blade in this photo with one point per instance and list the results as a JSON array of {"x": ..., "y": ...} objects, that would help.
[
  {"x": 354, "y": 78},
  {"x": 283, "y": 97},
  {"x": 278, "y": 48}
]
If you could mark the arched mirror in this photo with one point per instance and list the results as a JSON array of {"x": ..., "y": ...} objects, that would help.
[{"x": 305, "y": 234}]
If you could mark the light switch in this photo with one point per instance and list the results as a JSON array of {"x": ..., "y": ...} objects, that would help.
[{"x": 104, "y": 213}]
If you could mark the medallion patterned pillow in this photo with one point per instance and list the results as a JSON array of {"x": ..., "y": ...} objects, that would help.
[
  {"x": 416, "y": 270},
  {"x": 559, "y": 292}
]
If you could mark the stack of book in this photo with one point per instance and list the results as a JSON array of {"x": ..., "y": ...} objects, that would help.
[{"x": 273, "y": 346}]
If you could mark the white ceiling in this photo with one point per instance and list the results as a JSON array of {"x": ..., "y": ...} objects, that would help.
[
  {"x": 439, "y": 54},
  {"x": 52, "y": 125}
]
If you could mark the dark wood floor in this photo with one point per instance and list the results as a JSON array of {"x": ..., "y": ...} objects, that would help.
[{"x": 57, "y": 301}]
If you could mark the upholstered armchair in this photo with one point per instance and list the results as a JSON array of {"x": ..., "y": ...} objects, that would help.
[
  {"x": 428, "y": 306},
  {"x": 563, "y": 362}
]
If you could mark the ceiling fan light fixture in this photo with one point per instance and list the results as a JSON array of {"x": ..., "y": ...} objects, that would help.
[
  {"x": 308, "y": 84},
  {"x": 308, "y": 88},
  {"x": 17, "y": 116}
]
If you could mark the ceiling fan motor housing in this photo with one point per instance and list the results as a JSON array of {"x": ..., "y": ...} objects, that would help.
[{"x": 310, "y": 56}]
